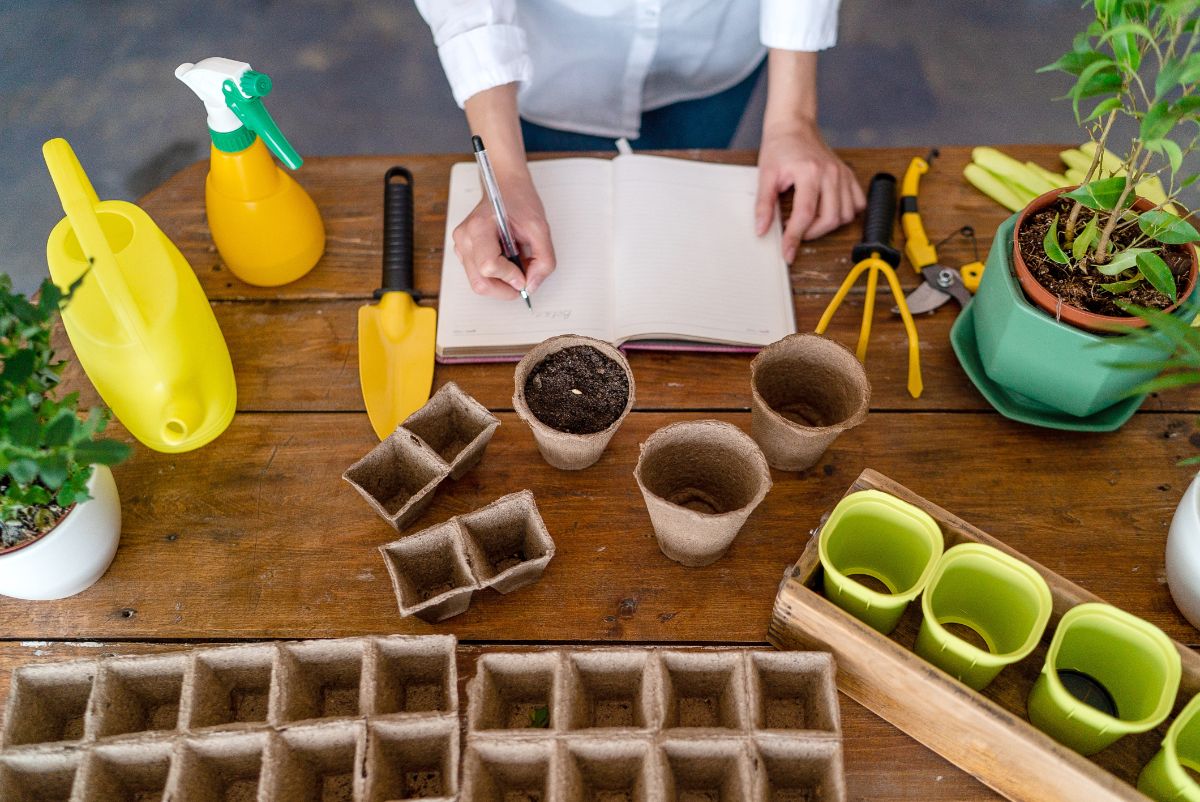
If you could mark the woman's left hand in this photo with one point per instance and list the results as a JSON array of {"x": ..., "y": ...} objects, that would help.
[{"x": 826, "y": 195}]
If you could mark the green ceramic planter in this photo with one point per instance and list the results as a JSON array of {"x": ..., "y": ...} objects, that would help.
[
  {"x": 1046, "y": 362},
  {"x": 1166, "y": 777},
  {"x": 1131, "y": 660}
]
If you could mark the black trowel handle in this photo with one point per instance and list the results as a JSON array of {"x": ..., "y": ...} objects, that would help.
[
  {"x": 397, "y": 232},
  {"x": 878, "y": 221}
]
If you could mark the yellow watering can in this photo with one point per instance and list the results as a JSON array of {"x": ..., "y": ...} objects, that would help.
[{"x": 139, "y": 322}]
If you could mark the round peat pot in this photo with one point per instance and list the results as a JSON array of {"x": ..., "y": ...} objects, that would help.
[
  {"x": 1049, "y": 302},
  {"x": 701, "y": 480},
  {"x": 1048, "y": 362},
  {"x": 565, "y": 450},
  {"x": 872, "y": 534},
  {"x": 1166, "y": 778},
  {"x": 74, "y": 554},
  {"x": 806, "y": 390},
  {"x": 1125, "y": 661},
  {"x": 1001, "y": 599}
]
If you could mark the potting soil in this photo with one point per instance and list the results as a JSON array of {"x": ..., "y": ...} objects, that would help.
[{"x": 577, "y": 390}]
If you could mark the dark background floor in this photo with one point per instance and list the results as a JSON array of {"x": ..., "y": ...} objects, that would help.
[{"x": 362, "y": 76}]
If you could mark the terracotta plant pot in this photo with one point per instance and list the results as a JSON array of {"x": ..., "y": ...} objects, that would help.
[
  {"x": 1050, "y": 303},
  {"x": 74, "y": 554},
  {"x": 568, "y": 452},
  {"x": 701, "y": 480},
  {"x": 806, "y": 391}
]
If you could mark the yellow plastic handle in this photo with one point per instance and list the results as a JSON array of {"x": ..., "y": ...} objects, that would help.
[
  {"x": 79, "y": 201},
  {"x": 917, "y": 248},
  {"x": 972, "y": 274}
]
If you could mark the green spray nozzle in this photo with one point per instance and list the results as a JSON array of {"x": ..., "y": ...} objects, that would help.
[{"x": 248, "y": 107}]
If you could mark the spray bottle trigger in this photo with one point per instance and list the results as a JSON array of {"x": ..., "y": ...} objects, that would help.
[{"x": 254, "y": 115}]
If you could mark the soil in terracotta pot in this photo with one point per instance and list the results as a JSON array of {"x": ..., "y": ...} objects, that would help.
[
  {"x": 1082, "y": 289},
  {"x": 577, "y": 390}
]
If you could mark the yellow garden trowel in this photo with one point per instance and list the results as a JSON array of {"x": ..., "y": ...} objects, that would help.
[{"x": 395, "y": 336}]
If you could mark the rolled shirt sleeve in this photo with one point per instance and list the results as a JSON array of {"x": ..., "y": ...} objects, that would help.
[
  {"x": 807, "y": 25},
  {"x": 479, "y": 44}
]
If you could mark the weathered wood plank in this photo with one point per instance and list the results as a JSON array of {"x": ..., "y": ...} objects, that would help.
[
  {"x": 256, "y": 534},
  {"x": 882, "y": 764},
  {"x": 348, "y": 192},
  {"x": 302, "y": 356}
]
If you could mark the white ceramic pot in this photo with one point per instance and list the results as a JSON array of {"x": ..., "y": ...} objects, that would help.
[
  {"x": 73, "y": 555},
  {"x": 1183, "y": 554}
]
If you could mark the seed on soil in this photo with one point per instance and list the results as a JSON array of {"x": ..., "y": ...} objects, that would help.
[{"x": 577, "y": 390}]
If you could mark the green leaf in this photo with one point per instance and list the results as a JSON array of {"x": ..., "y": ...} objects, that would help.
[
  {"x": 104, "y": 452},
  {"x": 1050, "y": 242},
  {"x": 1128, "y": 28},
  {"x": 1152, "y": 266},
  {"x": 74, "y": 489},
  {"x": 1099, "y": 78},
  {"x": 23, "y": 428},
  {"x": 1104, "y": 107},
  {"x": 539, "y": 717},
  {"x": 1073, "y": 63},
  {"x": 1168, "y": 76},
  {"x": 1118, "y": 287},
  {"x": 23, "y": 471},
  {"x": 1122, "y": 261},
  {"x": 1100, "y": 195},
  {"x": 53, "y": 471},
  {"x": 1161, "y": 225},
  {"x": 59, "y": 430},
  {"x": 1191, "y": 70},
  {"x": 1169, "y": 148},
  {"x": 1168, "y": 381},
  {"x": 18, "y": 367},
  {"x": 1159, "y": 120},
  {"x": 1085, "y": 238}
]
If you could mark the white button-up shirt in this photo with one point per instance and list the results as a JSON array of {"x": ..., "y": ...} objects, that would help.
[{"x": 593, "y": 66}]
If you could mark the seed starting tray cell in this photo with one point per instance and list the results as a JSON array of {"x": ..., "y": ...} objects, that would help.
[
  {"x": 329, "y": 720},
  {"x": 649, "y": 725}
]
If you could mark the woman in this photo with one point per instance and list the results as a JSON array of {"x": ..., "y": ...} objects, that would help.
[{"x": 577, "y": 74}]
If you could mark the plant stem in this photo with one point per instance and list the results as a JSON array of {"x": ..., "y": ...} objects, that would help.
[
  {"x": 1101, "y": 251},
  {"x": 1073, "y": 218}
]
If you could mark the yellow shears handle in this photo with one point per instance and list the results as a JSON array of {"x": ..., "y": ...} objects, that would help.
[{"x": 917, "y": 247}]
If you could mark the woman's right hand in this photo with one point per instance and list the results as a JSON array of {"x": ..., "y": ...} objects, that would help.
[{"x": 477, "y": 242}]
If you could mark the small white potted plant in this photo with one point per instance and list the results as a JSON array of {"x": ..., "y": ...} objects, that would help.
[{"x": 60, "y": 518}]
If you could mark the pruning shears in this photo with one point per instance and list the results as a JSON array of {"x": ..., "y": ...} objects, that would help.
[{"x": 940, "y": 283}]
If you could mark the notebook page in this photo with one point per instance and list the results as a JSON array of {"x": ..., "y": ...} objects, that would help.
[
  {"x": 687, "y": 263},
  {"x": 577, "y": 195}
]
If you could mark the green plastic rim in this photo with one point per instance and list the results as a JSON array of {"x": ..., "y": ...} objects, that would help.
[
  {"x": 994, "y": 573},
  {"x": 871, "y": 533},
  {"x": 1165, "y": 776},
  {"x": 1119, "y": 651},
  {"x": 232, "y": 141}
]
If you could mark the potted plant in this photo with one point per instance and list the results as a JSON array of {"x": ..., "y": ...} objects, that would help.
[
  {"x": 1051, "y": 312},
  {"x": 60, "y": 519}
]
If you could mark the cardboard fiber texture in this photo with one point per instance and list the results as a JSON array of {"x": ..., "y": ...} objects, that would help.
[
  {"x": 455, "y": 426},
  {"x": 700, "y": 480},
  {"x": 443, "y": 439},
  {"x": 318, "y": 720},
  {"x": 565, "y": 451},
  {"x": 436, "y": 571},
  {"x": 805, "y": 390},
  {"x": 645, "y": 724}
]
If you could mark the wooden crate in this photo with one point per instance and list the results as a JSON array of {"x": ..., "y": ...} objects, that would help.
[{"x": 985, "y": 733}]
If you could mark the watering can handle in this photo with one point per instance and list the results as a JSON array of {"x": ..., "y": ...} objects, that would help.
[
  {"x": 397, "y": 233},
  {"x": 79, "y": 201}
]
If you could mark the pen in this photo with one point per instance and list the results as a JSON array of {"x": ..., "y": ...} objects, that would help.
[{"x": 507, "y": 244}]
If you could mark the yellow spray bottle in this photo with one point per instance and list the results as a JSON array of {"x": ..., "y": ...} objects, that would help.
[
  {"x": 139, "y": 322},
  {"x": 265, "y": 226}
]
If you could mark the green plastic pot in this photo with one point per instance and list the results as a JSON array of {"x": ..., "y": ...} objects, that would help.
[
  {"x": 1000, "y": 598},
  {"x": 1164, "y": 778},
  {"x": 1132, "y": 660},
  {"x": 1046, "y": 362},
  {"x": 873, "y": 534}
]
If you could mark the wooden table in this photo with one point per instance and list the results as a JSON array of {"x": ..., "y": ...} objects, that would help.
[{"x": 255, "y": 536}]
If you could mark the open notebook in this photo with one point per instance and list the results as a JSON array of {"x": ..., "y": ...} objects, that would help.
[{"x": 650, "y": 250}]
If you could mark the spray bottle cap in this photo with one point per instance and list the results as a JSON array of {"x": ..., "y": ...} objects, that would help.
[{"x": 231, "y": 92}]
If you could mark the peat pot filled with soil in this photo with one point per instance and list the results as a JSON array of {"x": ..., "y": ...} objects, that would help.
[{"x": 573, "y": 392}]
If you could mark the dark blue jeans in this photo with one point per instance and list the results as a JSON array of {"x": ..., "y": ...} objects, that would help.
[{"x": 707, "y": 122}]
